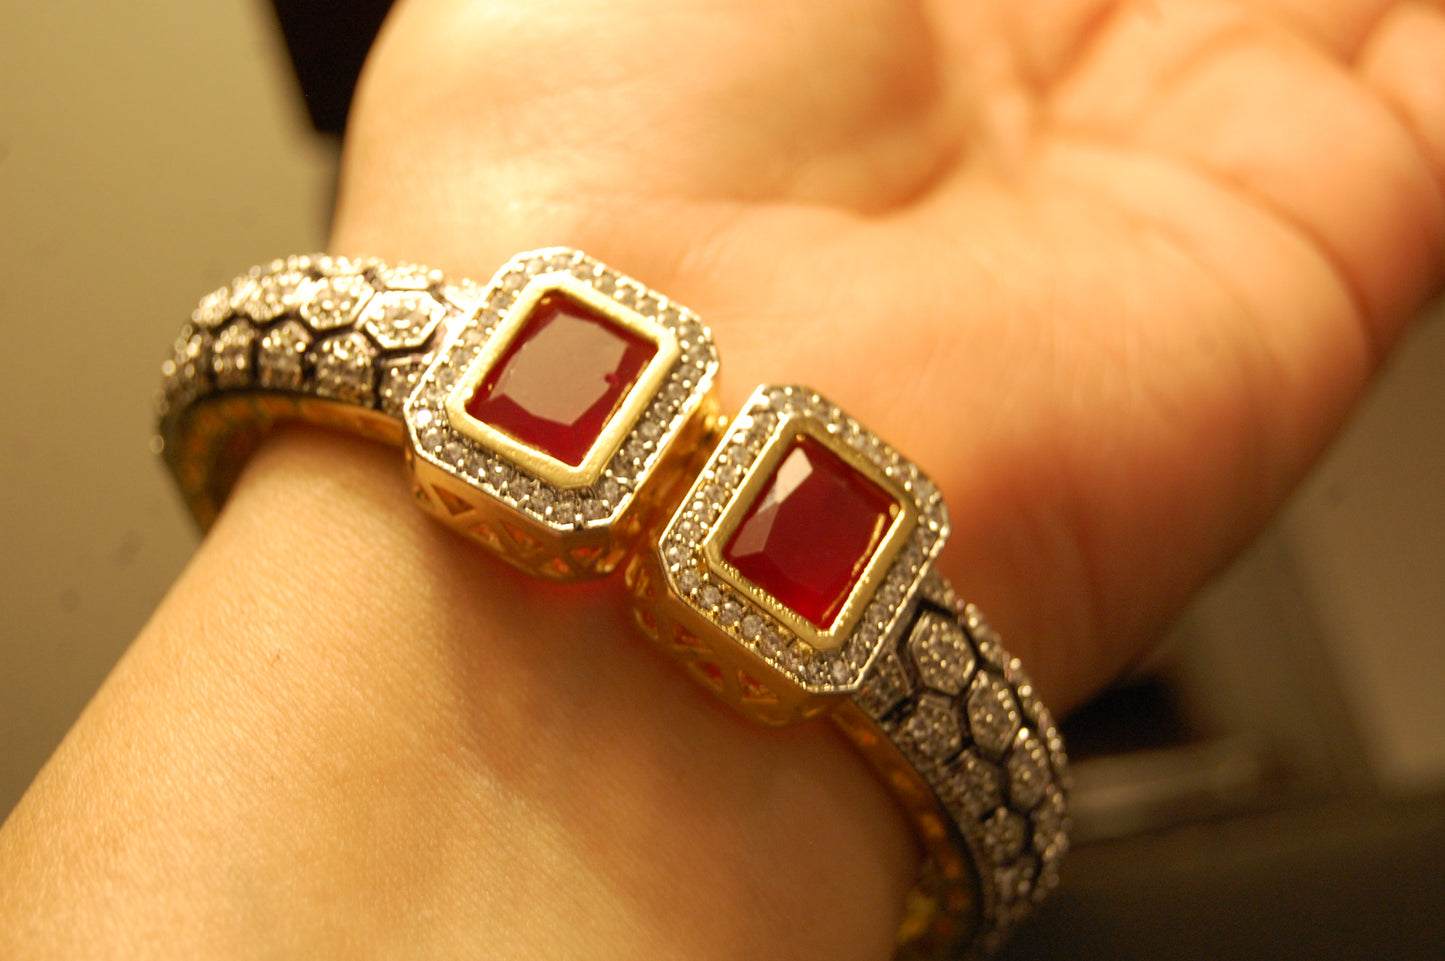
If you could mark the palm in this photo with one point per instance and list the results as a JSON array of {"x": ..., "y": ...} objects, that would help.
[{"x": 1111, "y": 272}]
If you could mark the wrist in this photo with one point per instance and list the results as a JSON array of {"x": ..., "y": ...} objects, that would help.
[{"x": 339, "y": 688}]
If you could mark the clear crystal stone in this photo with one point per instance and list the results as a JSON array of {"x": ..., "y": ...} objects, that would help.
[
  {"x": 402, "y": 321},
  {"x": 931, "y": 728},
  {"x": 730, "y": 612},
  {"x": 213, "y": 310},
  {"x": 1014, "y": 881},
  {"x": 398, "y": 380},
  {"x": 884, "y": 686},
  {"x": 274, "y": 295},
  {"x": 406, "y": 276},
  {"x": 283, "y": 354},
  {"x": 972, "y": 788},
  {"x": 333, "y": 302},
  {"x": 345, "y": 369},
  {"x": 231, "y": 356},
  {"x": 1051, "y": 838},
  {"x": 1004, "y": 833},
  {"x": 1028, "y": 771},
  {"x": 942, "y": 652},
  {"x": 993, "y": 715}
]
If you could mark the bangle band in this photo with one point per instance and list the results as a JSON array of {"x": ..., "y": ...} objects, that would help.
[{"x": 565, "y": 417}]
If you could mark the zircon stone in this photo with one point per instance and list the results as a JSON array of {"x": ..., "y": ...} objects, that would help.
[
  {"x": 561, "y": 378},
  {"x": 809, "y": 535}
]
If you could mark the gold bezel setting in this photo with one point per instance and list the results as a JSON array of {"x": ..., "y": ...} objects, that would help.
[
  {"x": 821, "y": 663},
  {"x": 900, "y": 526},
  {"x": 555, "y": 495}
]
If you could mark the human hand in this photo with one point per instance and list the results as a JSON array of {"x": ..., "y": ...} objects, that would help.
[{"x": 1112, "y": 272}]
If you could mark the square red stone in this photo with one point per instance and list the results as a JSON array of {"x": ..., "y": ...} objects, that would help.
[
  {"x": 561, "y": 378},
  {"x": 810, "y": 533}
]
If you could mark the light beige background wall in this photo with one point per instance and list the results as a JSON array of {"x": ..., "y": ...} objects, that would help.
[{"x": 151, "y": 148}]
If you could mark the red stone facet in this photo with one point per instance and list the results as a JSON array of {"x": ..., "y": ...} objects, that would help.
[
  {"x": 810, "y": 533},
  {"x": 561, "y": 378}
]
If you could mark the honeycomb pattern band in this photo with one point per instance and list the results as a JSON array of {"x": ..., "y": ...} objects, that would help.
[{"x": 928, "y": 694}]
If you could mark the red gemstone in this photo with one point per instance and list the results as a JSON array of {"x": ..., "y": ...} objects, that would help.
[
  {"x": 561, "y": 378},
  {"x": 811, "y": 532}
]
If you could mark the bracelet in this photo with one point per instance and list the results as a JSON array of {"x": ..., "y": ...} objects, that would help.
[{"x": 566, "y": 417}]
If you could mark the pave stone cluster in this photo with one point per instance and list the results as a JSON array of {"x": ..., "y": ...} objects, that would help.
[
  {"x": 748, "y": 623},
  {"x": 562, "y": 509},
  {"x": 968, "y": 720},
  {"x": 358, "y": 332}
]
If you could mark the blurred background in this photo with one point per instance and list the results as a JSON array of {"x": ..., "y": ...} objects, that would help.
[{"x": 1271, "y": 785}]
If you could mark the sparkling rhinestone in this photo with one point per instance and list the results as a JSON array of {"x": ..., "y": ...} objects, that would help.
[
  {"x": 521, "y": 488},
  {"x": 993, "y": 716},
  {"x": 1028, "y": 771},
  {"x": 405, "y": 276},
  {"x": 752, "y": 624},
  {"x": 688, "y": 581},
  {"x": 884, "y": 686},
  {"x": 1014, "y": 881},
  {"x": 808, "y": 536},
  {"x": 423, "y": 417},
  {"x": 402, "y": 321},
  {"x": 595, "y": 510},
  {"x": 464, "y": 295},
  {"x": 283, "y": 353},
  {"x": 231, "y": 360},
  {"x": 1004, "y": 833},
  {"x": 214, "y": 309},
  {"x": 333, "y": 302},
  {"x": 1047, "y": 880},
  {"x": 840, "y": 672},
  {"x": 344, "y": 369},
  {"x": 972, "y": 787},
  {"x": 542, "y": 498},
  {"x": 709, "y": 597},
  {"x": 398, "y": 380},
  {"x": 931, "y": 728},
  {"x": 942, "y": 652},
  {"x": 273, "y": 295},
  {"x": 635, "y": 450},
  {"x": 985, "y": 638},
  {"x": 1051, "y": 838},
  {"x": 730, "y": 612}
]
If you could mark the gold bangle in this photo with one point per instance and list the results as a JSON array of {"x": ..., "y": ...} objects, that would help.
[{"x": 566, "y": 418}]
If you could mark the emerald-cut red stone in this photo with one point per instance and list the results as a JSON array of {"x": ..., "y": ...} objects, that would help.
[
  {"x": 561, "y": 378},
  {"x": 808, "y": 536}
]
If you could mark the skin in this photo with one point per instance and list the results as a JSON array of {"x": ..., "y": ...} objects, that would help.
[{"x": 1112, "y": 273}]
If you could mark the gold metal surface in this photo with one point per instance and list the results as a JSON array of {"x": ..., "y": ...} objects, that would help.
[{"x": 576, "y": 553}]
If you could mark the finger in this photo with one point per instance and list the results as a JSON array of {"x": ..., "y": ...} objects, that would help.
[
  {"x": 1338, "y": 26},
  {"x": 1404, "y": 63},
  {"x": 1239, "y": 101}
]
